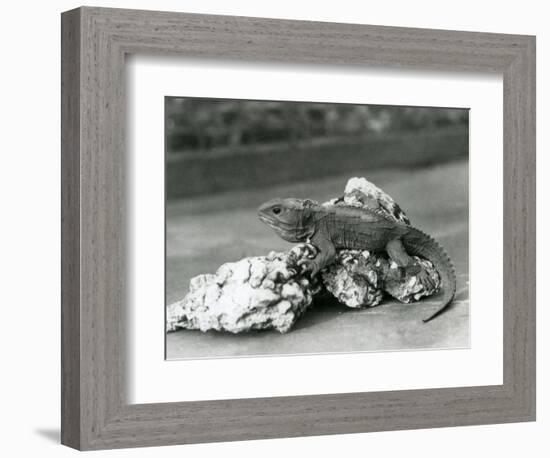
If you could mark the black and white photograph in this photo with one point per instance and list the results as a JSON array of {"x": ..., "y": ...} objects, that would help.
[
  {"x": 264, "y": 229},
  {"x": 296, "y": 227}
]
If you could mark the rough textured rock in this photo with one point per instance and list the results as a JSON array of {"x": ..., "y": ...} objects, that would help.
[
  {"x": 362, "y": 193},
  {"x": 356, "y": 278},
  {"x": 264, "y": 292}
]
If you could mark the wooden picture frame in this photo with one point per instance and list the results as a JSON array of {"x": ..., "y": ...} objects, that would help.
[{"x": 95, "y": 413}]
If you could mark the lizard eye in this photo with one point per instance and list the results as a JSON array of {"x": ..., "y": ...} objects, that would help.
[{"x": 277, "y": 210}]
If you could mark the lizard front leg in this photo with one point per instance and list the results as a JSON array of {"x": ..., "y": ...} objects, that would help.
[
  {"x": 326, "y": 253},
  {"x": 396, "y": 252}
]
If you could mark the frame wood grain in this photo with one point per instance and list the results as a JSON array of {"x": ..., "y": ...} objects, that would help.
[{"x": 95, "y": 41}]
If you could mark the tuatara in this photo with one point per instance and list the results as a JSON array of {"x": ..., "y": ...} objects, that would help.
[{"x": 331, "y": 227}]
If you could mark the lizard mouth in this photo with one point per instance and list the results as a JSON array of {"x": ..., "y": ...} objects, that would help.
[
  {"x": 271, "y": 220},
  {"x": 278, "y": 226},
  {"x": 265, "y": 219}
]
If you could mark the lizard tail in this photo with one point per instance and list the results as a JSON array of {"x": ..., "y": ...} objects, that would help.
[{"x": 420, "y": 244}]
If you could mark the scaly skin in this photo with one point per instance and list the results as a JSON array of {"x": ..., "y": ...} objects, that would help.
[{"x": 331, "y": 228}]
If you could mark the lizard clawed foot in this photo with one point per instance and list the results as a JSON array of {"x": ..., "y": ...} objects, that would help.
[
  {"x": 309, "y": 265},
  {"x": 425, "y": 279},
  {"x": 421, "y": 274},
  {"x": 413, "y": 269}
]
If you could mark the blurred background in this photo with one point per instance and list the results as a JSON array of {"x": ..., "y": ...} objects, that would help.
[
  {"x": 226, "y": 157},
  {"x": 216, "y": 144}
]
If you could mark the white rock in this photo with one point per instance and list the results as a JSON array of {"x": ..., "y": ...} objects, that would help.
[
  {"x": 264, "y": 292},
  {"x": 360, "y": 192},
  {"x": 354, "y": 279}
]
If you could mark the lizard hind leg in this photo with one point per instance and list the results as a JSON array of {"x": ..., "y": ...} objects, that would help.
[{"x": 397, "y": 253}]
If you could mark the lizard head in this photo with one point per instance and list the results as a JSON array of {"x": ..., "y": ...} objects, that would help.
[{"x": 290, "y": 218}]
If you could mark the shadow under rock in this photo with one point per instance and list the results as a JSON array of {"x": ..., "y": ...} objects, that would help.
[{"x": 325, "y": 308}]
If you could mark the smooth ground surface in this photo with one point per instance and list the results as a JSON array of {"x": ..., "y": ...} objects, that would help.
[{"x": 204, "y": 232}]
